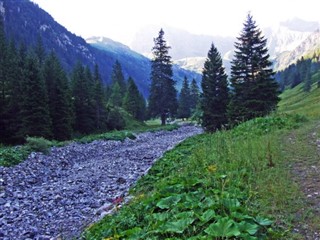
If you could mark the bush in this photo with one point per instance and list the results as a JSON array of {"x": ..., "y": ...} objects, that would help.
[
  {"x": 10, "y": 156},
  {"x": 38, "y": 144}
]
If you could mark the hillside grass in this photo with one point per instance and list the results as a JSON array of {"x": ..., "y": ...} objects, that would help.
[
  {"x": 234, "y": 184},
  {"x": 296, "y": 101}
]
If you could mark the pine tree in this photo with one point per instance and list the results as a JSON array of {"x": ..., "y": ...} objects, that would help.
[
  {"x": 99, "y": 101},
  {"x": 255, "y": 91},
  {"x": 59, "y": 98},
  {"x": 3, "y": 82},
  {"x": 35, "y": 109},
  {"x": 116, "y": 95},
  {"x": 14, "y": 76},
  {"x": 184, "y": 100},
  {"x": 163, "y": 95},
  {"x": 117, "y": 77},
  {"x": 194, "y": 95},
  {"x": 215, "y": 92},
  {"x": 81, "y": 93},
  {"x": 307, "y": 80},
  {"x": 134, "y": 102}
]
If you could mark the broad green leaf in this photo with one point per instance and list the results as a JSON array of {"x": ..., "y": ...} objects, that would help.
[
  {"x": 183, "y": 215},
  {"x": 133, "y": 233},
  {"x": 225, "y": 227},
  {"x": 246, "y": 236},
  {"x": 240, "y": 216},
  {"x": 207, "y": 216},
  {"x": 168, "y": 202},
  {"x": 178, "y": 226},
  {"x": 160, "y": 217},
  {"x": 206, "y": 203},
  {"x": 231, "y": 204},
  {"x": 263, "y": 221},
  {"x": 248, "y": 227}
]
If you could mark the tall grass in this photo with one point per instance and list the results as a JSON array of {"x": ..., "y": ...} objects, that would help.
[{"x": 230, "y": 184}]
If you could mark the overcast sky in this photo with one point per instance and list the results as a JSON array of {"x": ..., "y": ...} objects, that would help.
[{"x": 121, "y": 19}]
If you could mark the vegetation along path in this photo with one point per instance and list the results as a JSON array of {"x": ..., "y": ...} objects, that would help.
[{"x": 58, "y": 194}]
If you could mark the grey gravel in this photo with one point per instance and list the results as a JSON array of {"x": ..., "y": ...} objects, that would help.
[{"x": 56, "y": 196}]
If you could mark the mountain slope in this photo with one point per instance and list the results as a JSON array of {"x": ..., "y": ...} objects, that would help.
[
  {"x": 307, "y": 48},
  {"x": 25, "y": 22},
  {"x": 183, "y": 44},
  {"x": 140, "y": 65}
]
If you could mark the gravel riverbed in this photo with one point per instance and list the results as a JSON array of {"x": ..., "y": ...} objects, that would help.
[{"x": 57, "y": 195}]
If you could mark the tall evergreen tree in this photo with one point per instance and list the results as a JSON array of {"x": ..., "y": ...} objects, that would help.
[
  {"x": 307, "y": 80},
  {"x": 59, "y": 98},
  {"x": 117, "y": 77},
  {"x": 194, "y": 95},
  {"x": 184, "y": 110},
  {"x": 116, "y": 98},
  {"x": 99, "y": 101},
  {"x": 215, "y": 92},
  {"x": 163, "y": 95},
  {"x": 3, "y": 81},
  {"x": 134, "y": 102},
  {"x": 81, "y": 90},
  {"x": 35, "y": 109},
  {"x": 255, "y": 91},
  {"x": 14, "y": 76}
]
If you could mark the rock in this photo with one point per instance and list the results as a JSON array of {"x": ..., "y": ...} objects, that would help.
[{"x": 60, "y": 193}]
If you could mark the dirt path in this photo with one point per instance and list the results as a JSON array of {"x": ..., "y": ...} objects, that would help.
[
  {"x": 306, "y": 172},
  {"x": 57, "y": 195}
]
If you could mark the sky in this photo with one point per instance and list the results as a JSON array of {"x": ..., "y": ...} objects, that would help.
[{"x": 121, "y": 19}]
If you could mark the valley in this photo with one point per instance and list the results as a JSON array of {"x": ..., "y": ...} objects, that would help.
[{"x": 174, "y": 133}]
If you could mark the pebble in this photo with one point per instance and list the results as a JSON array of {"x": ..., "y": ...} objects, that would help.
[{"x": 57, "y": 195}]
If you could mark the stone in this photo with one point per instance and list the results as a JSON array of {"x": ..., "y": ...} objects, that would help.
[{"x": 58, "y": 194}]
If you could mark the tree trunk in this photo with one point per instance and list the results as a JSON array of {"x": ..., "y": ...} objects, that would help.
[{"x": 163, "y": 119}]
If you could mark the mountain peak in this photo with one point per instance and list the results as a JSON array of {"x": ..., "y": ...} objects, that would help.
[
  {"x": 297, "y": 24},
  {"x": 107, "y": 42}
]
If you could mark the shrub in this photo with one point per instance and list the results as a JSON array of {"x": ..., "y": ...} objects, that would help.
[{"x": 38, "y": 144}]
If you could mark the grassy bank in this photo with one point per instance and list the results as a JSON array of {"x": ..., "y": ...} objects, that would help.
[
  {"x": 234, "y": 184},
  {"x": 211, "y": 186},
  {"x": 10, "y": 156}
]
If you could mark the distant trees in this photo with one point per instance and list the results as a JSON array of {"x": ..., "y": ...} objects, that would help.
[
  {"x": 163, "y": 95},
  {"x": 184, "y": 102},
  {"x": 59, "y": 98},
  {"x": 254, "y": 89},
  {"x": 134, "y": 102},
  {"x": 215, "y": 92},
  {"x": 299, "y": 72},
  {"x": 38, "y": 98},
  {"x": 194, "y": 95}
]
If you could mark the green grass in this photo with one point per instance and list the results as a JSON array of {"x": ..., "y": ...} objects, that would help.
[
  {"x": 233, "y": 184},
  {"x": 212, "y": 186},
  {"x": 296, "y": 101},
  {"x": 10, "y": 156}
]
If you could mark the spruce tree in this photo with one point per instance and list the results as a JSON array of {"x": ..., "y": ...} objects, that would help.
[
  {"x": 163, "y": 95},
  {"x": 14, "y": 77},
  {"x": 133, "y": 101},
  {"x": 184, "y": 100},
  {"x": 82, "y": 100},
  {"x": 35, "y": 109},
  {"x": 59, "y": 98},
  {"x": 215, "y": 92},
  {"x": 194, "y": 95},
  {"x": 99, "y": 101},
  {"x": 116, "y": 97},
  {"x": 117, "y": 77},
  {"x": 255, "y": 91},
  {"x": 3, "y": 82}
]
